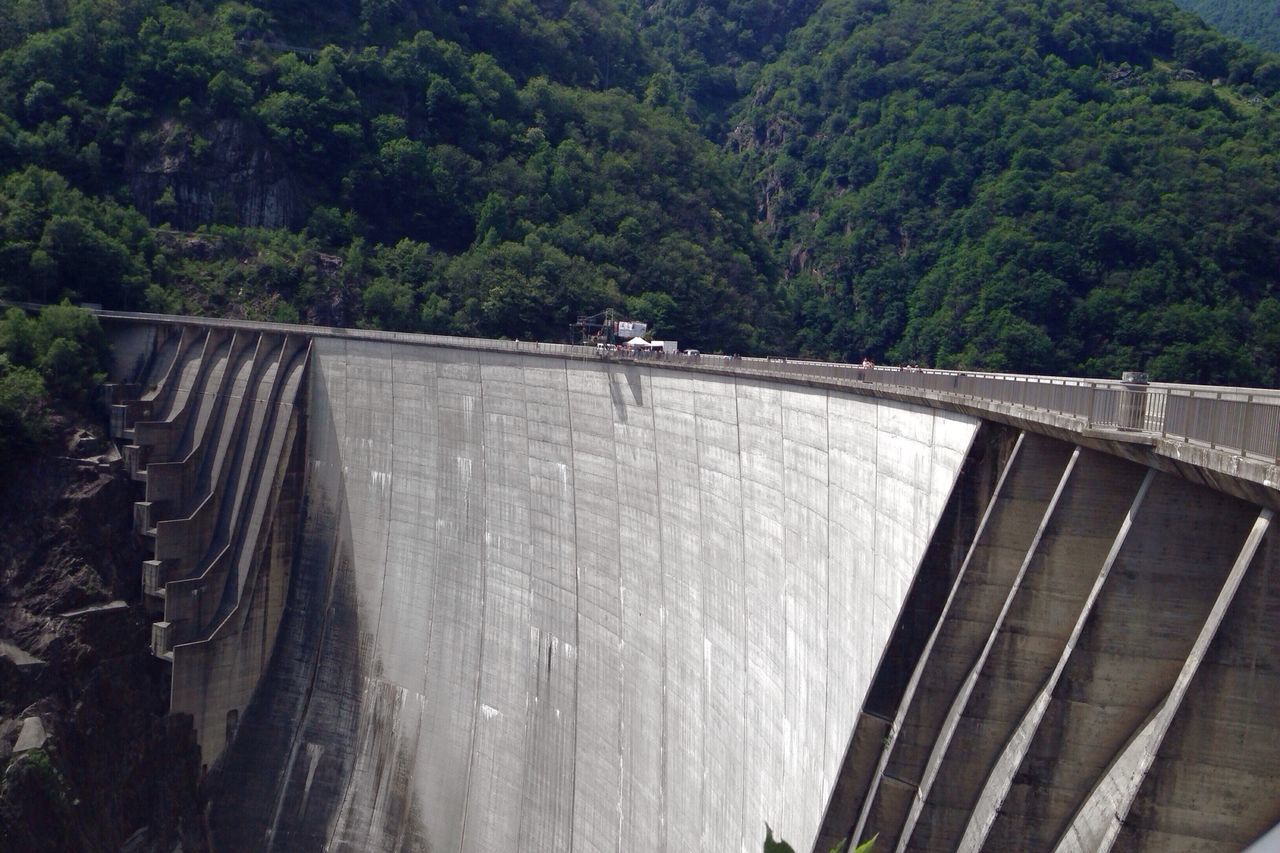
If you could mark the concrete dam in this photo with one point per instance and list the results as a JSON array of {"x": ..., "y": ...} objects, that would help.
[{"x": 438, "y": 594}]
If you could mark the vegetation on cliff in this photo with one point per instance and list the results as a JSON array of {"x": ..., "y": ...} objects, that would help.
[
  {"x": 1028, "y": 186},
  {"x": 1067, "y": 186},
  {"x": 55, "y": 358},
  {"x": 712, "y": 50},
  {"x": 496, "y": 174}
]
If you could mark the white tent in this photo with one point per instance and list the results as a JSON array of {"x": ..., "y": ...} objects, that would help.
[{"x": 641, "y": 342}]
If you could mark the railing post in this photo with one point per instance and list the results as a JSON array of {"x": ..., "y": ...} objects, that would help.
[
  {"x": 1244, "y": 426},
  {"x": 1217, "y": 419},
  {"x": 1093, "y": 405}
]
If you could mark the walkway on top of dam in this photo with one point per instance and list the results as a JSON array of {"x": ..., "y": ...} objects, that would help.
[{"x": 1227, "y": 437}]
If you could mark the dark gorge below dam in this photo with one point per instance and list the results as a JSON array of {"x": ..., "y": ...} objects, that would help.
[{"x": 449, "y": 594}]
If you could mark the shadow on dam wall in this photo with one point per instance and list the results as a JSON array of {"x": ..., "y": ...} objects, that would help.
[
  {"x": 281, "y": 784},
  {"x": 544, "y": 604}
]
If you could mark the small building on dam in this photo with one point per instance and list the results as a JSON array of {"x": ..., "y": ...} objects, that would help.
[{"x": 437, "y": 594}]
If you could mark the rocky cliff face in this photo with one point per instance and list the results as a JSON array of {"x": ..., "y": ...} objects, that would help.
[
  {"x": 89, "y": 758},
  {"x": 227, "y": 173}
]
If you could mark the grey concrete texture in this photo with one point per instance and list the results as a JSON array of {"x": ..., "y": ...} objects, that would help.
[
  {"x": 1214, "y": 778},
  {"x": 546, "y": 604},
  {"x": 942, "y": 563},
  {"x": 1003, "y": 770},
  {"x": 1006, "y": 532},
  {"x": 1026, "y": 644},
  {"x": 1139, "y": 634},
  {"x": 216, "y": 674},
  {"x": 171, "y": 485},
  {"x": 1135, "y": 621},
  {"x": 214, "y": 453},
  {"x": 1099, "y": 818},
  {"x": 541, "y": 602},
  {"x": 170, "y": 399}
]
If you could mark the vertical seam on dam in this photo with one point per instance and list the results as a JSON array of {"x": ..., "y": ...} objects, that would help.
[
  {"x": 343, "y": 458},
  {"x": 484, "y": 604},
  {"x": 826, "y": 705},
  {"x": 662, "y": 614},
  {"x": 622, "y": 625},
  {"x": 391, "y": 498},
  {"x": 577, "y": 606},
  {"x": 529, "y": 702},
  {"x": 702, "y": 627},
  {"x": 437, "y": 489},
  {"x": 615, "y": 757},
  {"x": 746, "y": 613}
]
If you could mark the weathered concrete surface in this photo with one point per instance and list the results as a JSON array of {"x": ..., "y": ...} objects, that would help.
[
  {"x": 1136, "y": 640},
  {"x": 1114, "y": 700},
  {"x": 1017, "y": 737},
  {"x": 943, "y": 561},
  {"x": 543, "y": 601},
  {"x": 213, "y": 433},
  {"x": 1027, "y": 643},
  {"x": 1099, "y": 818},
  {"x": 1021, "y": 498},
  {"x": 1215, "y": 781},
  {"x": 544, "y": 604}
]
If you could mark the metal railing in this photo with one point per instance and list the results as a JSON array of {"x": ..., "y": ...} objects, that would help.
[{"x": 1240, "y": 421}]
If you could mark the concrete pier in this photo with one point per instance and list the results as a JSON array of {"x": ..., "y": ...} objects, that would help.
[{"x": 214, "y": 441}]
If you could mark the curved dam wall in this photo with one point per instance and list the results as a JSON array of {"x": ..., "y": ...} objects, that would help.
[
  {"x": 543, "y": 603},
  {"x": 545, "y": 600}
]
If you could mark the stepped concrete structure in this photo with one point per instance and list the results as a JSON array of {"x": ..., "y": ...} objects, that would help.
[{"x": 443, "y": 594}]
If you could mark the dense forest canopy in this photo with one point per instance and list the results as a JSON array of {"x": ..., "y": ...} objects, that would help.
[
  {"x": 1059, "y": 187},
  {"x": 1036, "y": 185},
  {"x": 1254, "y": 21},
  {"x": 406, "y": 178},
  {"x": 714, "y": 50}
]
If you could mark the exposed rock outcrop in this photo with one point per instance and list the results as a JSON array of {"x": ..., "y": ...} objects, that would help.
[
  {"x": 113, "y": 769},
  {"x": 228, "y": 173}
]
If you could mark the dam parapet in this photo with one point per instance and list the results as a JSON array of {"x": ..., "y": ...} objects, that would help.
[{"x": 1225, "y": 437}]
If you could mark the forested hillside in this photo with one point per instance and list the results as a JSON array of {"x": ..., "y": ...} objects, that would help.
[
  {"x": 1023, "y": 185},
  {"x": 496, "y": 175},
  {"x": 714, "y": 50},
  {"x": 1065, "y": 186},
  {"x": 1254, "y": 21}
]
